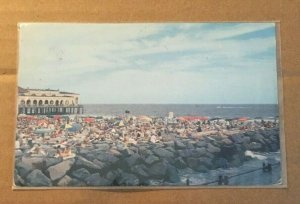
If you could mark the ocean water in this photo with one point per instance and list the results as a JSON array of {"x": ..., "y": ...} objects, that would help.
[{"x": 161, "y": 110}]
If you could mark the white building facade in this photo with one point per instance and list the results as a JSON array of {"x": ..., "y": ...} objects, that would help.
[{"x": 48, "y": 101}]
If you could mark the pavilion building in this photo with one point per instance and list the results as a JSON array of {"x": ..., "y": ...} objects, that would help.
[{"x": 47, "y": 102}]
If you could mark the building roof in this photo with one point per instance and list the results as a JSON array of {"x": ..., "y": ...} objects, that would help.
[
  {"x": 22, "y": 90},
  {"x": 63, "y": 92}
]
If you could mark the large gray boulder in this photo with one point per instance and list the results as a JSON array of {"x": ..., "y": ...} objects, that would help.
[
  {"x": 82, "y": 162},
  {"x": 76, "y": 183},
  {"x": 213, "y": 149},
  {"x": 199, "y": 151},
  {"x": 201, "y": 143},
  {"x": 97, "y": 180},
  {"x": 37, "y": 178},
  {"x": 125, "y": 152},
  {"x": 115, "y": 152},
  {"x": 190, "y": 145},
  {"x": 227, "y": 141},
  {"x": 64, "y": 181},
  {"x": 59, "y": 170},
  {"x": 85, "y": 151},
  {"x": 192, "y": 162},
  {"x": 107, "y": 157},
  {"x": 140, "y": 170},
  {"x": 169, "y": 148},
  {"x": 179, "y": 163},
  {"x": 221, "y": 163},
  {"x": 23, "y": 169},
  {"x": 197, "y": 164},
  {"x": 172, "y": 175},
  {"x": 52, "y": 161},
  {"x": 179, "y": 145},
  {"x": 132, "y": 160},
  {"x": 151, "y": 159},
  {"x": 102, "y": 147},
  {"x": 169, "y": 144},
  {"x": 18, "y": 180},
  {"x": 34, "y": 162},
  {"x": 81, "y": 174},
  {"x": 246, "y": 140},
  {"x": 99, "y": 163},
  {"x": 162, "y": 153},
  {"x": 158, "y": 170},
  {"x": 18, "y": 153},
  {"x": 236, "y": 138},
  {"x": 126, "y": 179},
  {"x": 205, "y": 161}
]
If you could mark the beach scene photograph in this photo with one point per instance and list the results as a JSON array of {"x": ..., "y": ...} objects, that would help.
[{"x": 133, "y": 105}]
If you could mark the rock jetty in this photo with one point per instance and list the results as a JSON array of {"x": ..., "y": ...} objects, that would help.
[{"x": 114, "y": 163}]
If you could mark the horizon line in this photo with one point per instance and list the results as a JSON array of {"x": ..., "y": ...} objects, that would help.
[{"x": 179, "y": 103}]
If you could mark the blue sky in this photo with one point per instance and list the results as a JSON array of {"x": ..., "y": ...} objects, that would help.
[{"x": 182, "y": 63}]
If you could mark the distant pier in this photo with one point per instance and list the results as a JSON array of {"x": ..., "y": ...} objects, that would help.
[
  {"x": 50, "y": 110},
  {"x": 48, "y": 102}
]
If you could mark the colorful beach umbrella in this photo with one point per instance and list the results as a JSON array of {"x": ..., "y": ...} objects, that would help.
[
  {"x": 242, "y": 119},
  {"x": 89, "y": 120},
  {"x": 75, "y": 127}
]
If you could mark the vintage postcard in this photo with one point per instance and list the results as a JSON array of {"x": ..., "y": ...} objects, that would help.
[{"x": 148, "y": 105}]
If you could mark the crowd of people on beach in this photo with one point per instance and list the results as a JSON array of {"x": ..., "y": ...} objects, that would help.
[{"x": 35, "y": 133}]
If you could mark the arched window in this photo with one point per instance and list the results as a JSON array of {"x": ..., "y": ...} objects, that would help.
[
  {"x": 57, "y": 102},
  {"x": 40, "y": 102},
  {"x": 67, "y": 102},
  {"x": 46, "y": 102},
  {"x": 22, "y": 103},
  {"x": 34, "y": 102},
  {"x": 28, "y": 102},
  {"x": 51, "y": 102},
  {"x": 61, "y": 102}
]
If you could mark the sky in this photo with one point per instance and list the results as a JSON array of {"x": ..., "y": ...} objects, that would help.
[{"x": 150, "y": 63}]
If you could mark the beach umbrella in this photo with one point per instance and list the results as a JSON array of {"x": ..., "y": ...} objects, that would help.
[
  {"x": 75, "y": 127},
  {"x": 42, "y": 122},
  {"x": 89, "y": 120},
  {"x": 243, "y": 119},
  {"x": 121, "y": 123},
  {"x": 68, "y": 125}
]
